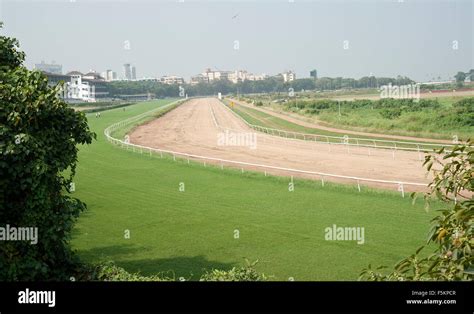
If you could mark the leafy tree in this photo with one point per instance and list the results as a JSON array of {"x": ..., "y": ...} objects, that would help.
[
  {"x": 39, "y": 134},
  {"x": 10, "y": 57},
  {"x": 452, "y": 230},
  {"x": 460, "y": 77},
  {"x": 470, "y": 74}
]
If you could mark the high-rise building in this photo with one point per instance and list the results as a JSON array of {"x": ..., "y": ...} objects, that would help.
[
  {"x": 127, "y": 71},
  {"x": 109, "y": 75},
  {"x": 49, "y": 67},
  {"x": 313, "y": 74},
  {"x": 134, "y": 73}
]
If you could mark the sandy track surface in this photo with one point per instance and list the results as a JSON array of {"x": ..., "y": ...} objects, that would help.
[
  {"x": 191, "y": 129},
  {"x": 298, "y": 119}
]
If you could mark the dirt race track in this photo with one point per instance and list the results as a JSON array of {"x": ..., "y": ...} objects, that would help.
[{"x": 199, "y": 126}]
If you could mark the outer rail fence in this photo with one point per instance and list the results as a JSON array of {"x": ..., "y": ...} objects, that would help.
[
  {"x": 346, "y": 140},
  {"x": 400, "y": 185}
]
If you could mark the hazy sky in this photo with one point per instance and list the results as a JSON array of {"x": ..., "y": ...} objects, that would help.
[{"x": 183, "y": 37}]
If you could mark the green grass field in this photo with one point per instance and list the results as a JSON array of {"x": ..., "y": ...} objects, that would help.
[{"x": 191, "y": 231}]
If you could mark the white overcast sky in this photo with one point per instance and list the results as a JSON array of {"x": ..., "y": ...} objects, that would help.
[{"x": 385, "y": 38}]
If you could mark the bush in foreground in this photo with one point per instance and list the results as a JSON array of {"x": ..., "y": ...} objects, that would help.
[
  {"x": 111, "y": 272},
  {"x": 452, "y": 229},
  {"x": 244, "y": 273}
]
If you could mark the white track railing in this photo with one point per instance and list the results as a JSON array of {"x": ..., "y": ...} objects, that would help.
[
  {"x": 344, "y": 140},
  {"x": 322, "y": 175},
  {"x": 291, "y": 139}
]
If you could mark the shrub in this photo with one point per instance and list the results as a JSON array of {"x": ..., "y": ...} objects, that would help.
[
  {"x": 111, "y": 272},
  {"x": 391, "y": 113},
  {"x": 244, "y": 273},
  {"x": 464, "y": 111},
  {"x": 452, "y": 229}
]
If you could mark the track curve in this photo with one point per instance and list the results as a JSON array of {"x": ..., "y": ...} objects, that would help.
[{"x": 198, "y": 126}]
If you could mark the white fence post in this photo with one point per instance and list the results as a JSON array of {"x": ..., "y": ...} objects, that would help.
[{"x": 401, "y": 189}]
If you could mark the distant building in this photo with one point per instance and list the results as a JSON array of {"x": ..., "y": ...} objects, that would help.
[
  {"x": 54, "y": 79},
  {"x": 224, "y": 75},
  {"x": 255, "y": 77},
  {"x": 234, "y": 76},
  {"x": 77, "y": 90},
  {"x": 237, "y": 76},
  {"x": 97, "y": 84},
  {"x": 50, "y": 68},
  {"x": 212, "y": 75},
  {"x": 149, "y": 79},
  {"x": 134, "y": 73},
  {"x": 127, "y": 71},
  {"x": 313, "y": 74},
  {"x": 170, "y": 80},
  {"x": 109, "y": 75},
  {"x": 199, "y": 79},
  {"x": 79, "y": 87}
]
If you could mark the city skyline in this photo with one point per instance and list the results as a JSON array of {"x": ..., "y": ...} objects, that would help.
[{"x": 337, "y": 39}]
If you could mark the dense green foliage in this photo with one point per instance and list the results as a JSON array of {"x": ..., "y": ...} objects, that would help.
[
  {"x": 264, "y": 119},
  {"x": 10, "y": 56},
  {"x": 461, "y": 76},
  {"x": 39, "y": 135},
  {"x": 117, "y": 88},
  {"x": 423, "y": 117},
  {"x": 406, "y": 105},
  {"x": 463, "y": 113},
  {"x": 452, "y": 229},
  {"x": 243, "y": 273},
  {"x": 111, "y": 272}
]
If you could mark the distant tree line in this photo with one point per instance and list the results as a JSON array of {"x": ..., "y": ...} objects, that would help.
[
  {"x": 118, "y": 88},
  {"x": 269, "y": 85},
  {"x": 460, "y": 114}
]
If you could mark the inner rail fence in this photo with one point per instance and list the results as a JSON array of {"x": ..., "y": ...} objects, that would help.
[
  {"x": 298, "y": 142},
  {"x": 420, "y": 147},
  {"x": 401, "y": 186}
]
